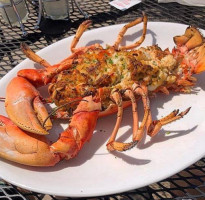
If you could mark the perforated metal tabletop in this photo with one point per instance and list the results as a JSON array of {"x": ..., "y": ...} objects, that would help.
[{"x": 189, "y": 183}]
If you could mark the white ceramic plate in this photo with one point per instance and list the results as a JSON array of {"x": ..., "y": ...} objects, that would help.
[{"x": 95, "y": 171}]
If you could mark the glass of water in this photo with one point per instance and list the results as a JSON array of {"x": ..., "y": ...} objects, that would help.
[
  {"x": 56, "y": 9},
  {"x": 13, "y": 11}
]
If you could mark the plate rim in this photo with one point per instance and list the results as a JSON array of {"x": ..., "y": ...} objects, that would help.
[{"x": 104, "y": 193}]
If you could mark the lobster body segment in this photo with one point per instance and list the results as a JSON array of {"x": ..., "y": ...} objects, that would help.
[{"x": 94, "y": 82}]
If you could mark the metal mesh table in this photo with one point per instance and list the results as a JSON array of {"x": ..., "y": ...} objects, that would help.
[{"x": 188, "y": 184}]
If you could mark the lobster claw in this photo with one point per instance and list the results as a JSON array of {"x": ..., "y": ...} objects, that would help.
[
  {"x": 23, "y": 147},
  {"x": 25, "y": 108}
]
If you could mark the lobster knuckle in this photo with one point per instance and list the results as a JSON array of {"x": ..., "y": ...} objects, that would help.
[
  {"x": 66, "y": 145},
  {"x": 33, "y": 76},
  {"x": 84, "y": 123},
  {"x": 80, "y": 129}
]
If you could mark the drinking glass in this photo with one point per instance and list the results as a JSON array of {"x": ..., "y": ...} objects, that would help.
[
  {"x": 13, "y": 12},
  {"x": 56, "y": 9}
]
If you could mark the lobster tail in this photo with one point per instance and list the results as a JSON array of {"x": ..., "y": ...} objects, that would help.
[
  {"x": 191, "y": 48},
  {"x": 199, "y": 54},
  {"x": 191, "y": 38}
]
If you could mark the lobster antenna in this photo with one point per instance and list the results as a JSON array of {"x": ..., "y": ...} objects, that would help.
[{"x": 59, "y": 107}]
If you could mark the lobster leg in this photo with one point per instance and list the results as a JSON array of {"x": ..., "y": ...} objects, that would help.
[
  {"x": 33, "y": 56},
  {"x": 152, "y": 127},
  {"x": 149, "y": 119},
  {"x": 139, "y": 90},
  {"x": 124, "y": 29},
  {"x": 155, "y": 126},
  {"x": 112, "y": 144},
  {"x": 81, "y": 29},
  {"x": 137, "y": 132},
  {"x": 131, "y": 96}
]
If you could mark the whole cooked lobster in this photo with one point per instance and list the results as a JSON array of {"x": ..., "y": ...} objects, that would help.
[{"x": 91, "y": 83}]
